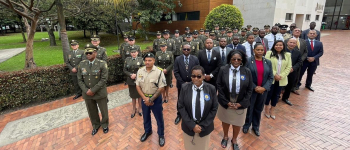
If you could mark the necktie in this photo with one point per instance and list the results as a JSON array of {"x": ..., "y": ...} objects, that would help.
[
  {"x": 298, "y": 43},
  {"x": 90, "y": 65},
  {"x": 233, "y": 91},
  {"x": 262, "y": 41},
  {"x": 234, "y": 46},
  {"x": 198, "y": 105},
  {"x": 209, "y": 56},
  {"x": 186, "y": 62},
  {"x": 312, "y": 45},
  {"x": 223, "y": 56},
  {"x": 251, "y": 50},
  {"x": 274, "y": 40}
]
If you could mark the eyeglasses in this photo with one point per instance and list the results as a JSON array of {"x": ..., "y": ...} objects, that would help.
[
  {"x": 88, "y": 53},
  {"x": 236, "y": 59},
  {"x": 186, "y": 49},
  {"x": 194, "y": 76}
]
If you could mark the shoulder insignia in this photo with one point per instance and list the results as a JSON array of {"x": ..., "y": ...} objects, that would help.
[{"x": 160, "y": 68}]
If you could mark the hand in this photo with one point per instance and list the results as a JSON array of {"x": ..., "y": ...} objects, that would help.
[
  {"x": 311, "y": 59},
  {"x": 207, "y": 78},
  {"x": 230, "y": 105},
  {"x": 147, "y": 103},
  {"x": 164, "y": 71},
  {"x": 197, "y": 129},
  {"x": 74, "y": 70},
  {"x": 291, "y": 70},
  {"x": 236, "y": 105},
  {"x": 89, "y": 93},
  {"x": 277, "y": 77},
  {"x": 261, "y": 90},
  {"x": 133, "y": 76}
]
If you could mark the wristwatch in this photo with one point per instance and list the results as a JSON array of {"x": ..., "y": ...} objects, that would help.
[{"x": 149, "y": 100}]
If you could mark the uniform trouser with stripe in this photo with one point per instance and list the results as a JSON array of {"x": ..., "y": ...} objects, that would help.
[{"x": 157, "y": 109}]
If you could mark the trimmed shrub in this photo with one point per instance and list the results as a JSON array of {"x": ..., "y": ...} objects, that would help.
[{"x": 224, "y": 15}]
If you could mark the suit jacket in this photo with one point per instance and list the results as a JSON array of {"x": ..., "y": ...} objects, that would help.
[
  {"x": 181, "y": 74},
  {"x": 223, "y": 84},
  {"x": 303, "y": 48},
  {"x": 268, "y": 73},
  {"x": 266, "y": 42},
  {"x": 296, "y": 59},
  {"x": 316, "y": 53},
  {"x": 239, "y": 46},
  {"x": 209, "y": 112},
  {"x": 217, "y": 49},
  {"x": 285, "y": 68},
  {"x": 211, "y": 67},
  {"x": 305, "y": 37}
]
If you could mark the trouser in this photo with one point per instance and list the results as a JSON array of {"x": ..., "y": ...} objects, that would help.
[
  {"x": 77, "y": 89},
  {"x": 292, "y": 78},
  {"x": 92, "y": 109},
  {"x": 157, "y": 110},
  {"x": 311, "y": 68},
  {"x": 177, "y": 105},
  {"x": 254, "y": 110},
  {"x": 273, "y": 94},
  {"x": 296, "y": 82}
]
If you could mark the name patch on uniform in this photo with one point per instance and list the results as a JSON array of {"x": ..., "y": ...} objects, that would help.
[
  {"x": 78, "y": 56},
  {"x": 242, "y": 77},
  {"x": 95, "y": 71},
  {"x": 206, "y": 97},
  {"x": 83, "y": 70}
]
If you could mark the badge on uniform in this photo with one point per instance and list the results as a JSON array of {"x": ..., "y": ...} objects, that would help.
[
  {"x": 78, "y": 56},
  {"x": 96, "y": 71},
  {"x": 138, "y": 63},
  {"x": 83, "y": 70},
  {"x": 214, "y": 58},
  {"x": 206, "y": 97},
  {"x": 159, "y": 57},
  {"x": 127, "y": 53},
  {"x": 192, "y": 47},
  {"x": 242, "y": 77},
  {"x": 167, "y": 56},
  {"x": 69, "y": 56}
]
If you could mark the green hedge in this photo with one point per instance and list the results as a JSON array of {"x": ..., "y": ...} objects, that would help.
[{"x": 46, "y": 83}]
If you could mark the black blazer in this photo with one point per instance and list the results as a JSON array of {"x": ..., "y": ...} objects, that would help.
[
  {"x": 296, "y": 59},
  {"x": 246, "y": 87},
  {"x": 214, "y": 65},
  {"x": 268, "y": 72},
  {"x": 209, "y": 112},
  {"x": 180, "y": 72}
]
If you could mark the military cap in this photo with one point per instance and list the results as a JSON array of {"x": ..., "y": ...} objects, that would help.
[
  {"x": 166, "y": 31},
  {"x": 235, "y": 28},
  {"x": 212, "y": 33},
  {"x": 206, "y": 30},
  {"x": 189, "y": 34},
  {"x": 249, "y": 26},
  {"x": 244, "y": 30},
  {"x": 131, "y": 37},
  {"x": 148, "y": 55},
  {"x": 177, "y": 31},
  {"x": 201, "y": 30},
  {"x": 222, "y": 29},
  {"x": 195, "y": 32},
  {"x": 229, "y": 31},
  {"x": 74, "y": 42},
  {"x": 125, "y": 36},
  {"x": 277, "y": 24},
  {"x": 162, "y": 43},
  {"x": 266, "y": 26},
  {"x": 133, "y": 49},
  {"x": 90, "y": 48},
  {"x": 283, "y": 27},
  {"x": 159, "y": 33},
  {"x": 255, "y": 29},
  {"x": 95, "y": 38},
  {"x": 187, "y": 28},
  {"x": 216, "y": 25}
]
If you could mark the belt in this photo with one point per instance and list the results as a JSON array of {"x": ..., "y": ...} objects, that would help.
[{"x": 148, "y": 95}]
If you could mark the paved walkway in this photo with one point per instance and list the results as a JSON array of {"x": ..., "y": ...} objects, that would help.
[
  {"x": 317, "y": 120},
  {"x": 6, "y": 54}
]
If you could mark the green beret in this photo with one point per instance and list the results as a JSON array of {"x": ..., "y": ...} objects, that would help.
[
  {"x": 90, "y": 48},
  {"x": 148, "y": 55},
  {"x": 74, "y": 42}
]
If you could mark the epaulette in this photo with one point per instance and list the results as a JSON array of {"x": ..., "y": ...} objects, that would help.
[
  {"x": 84, "y": 60},
  {"x": 160, "y": 68}
]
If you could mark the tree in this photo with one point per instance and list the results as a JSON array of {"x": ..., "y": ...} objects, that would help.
[{"x": 224, "y": 15}]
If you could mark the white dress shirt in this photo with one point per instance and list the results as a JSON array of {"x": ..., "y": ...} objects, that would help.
[
  {"x": 211, "y": 52},
  {"x": 194, "y": 96},
  {"x": 238, "y": 79},
  {"x": 271, "y": 39},
  {"x": 248, "y": 51}
]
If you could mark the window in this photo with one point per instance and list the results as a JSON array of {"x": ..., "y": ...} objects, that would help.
[
  {"x": 307, "y": 17},
  {"x": 188, "y": 16},
  {"x": 289, "y": 16},
  {"x": 317, "y": 17},
  {"x": 165, "y": 19}
]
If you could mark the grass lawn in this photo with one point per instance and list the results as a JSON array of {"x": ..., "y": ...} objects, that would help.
[{"x": 46, "y": 55}]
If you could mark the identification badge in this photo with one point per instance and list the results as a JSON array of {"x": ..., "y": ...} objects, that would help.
[
  {"x": 242, "y": 77},
  {"x": 206, "y": 97}
]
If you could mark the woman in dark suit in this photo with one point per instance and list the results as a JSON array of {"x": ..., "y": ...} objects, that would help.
[
  {"x": 261, "y": 70},
  {"x": 197, "y": 105},
  {"x": 235, "y": 86}
]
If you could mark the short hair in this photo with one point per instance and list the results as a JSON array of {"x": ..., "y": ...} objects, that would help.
[
  {"x": 250, "y": 34},
  {"x": 187, "y": 45},
  {"x": 223, "y": 38},
  {"x": 237, "y": 51},
  {"x": 198, "y": 67},
  {"x": 257, "y": 44},
  {"x": 313, "y": 31},
  {"x": 290, "y": 39}
]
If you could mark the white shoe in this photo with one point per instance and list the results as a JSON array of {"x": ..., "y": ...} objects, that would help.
[
  {"x": 273, "y": 117},
  {"x": 267, "y": 116}
]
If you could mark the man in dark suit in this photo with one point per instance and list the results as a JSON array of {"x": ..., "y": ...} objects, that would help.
[
  {"x": 262, "y": 40},
  {"x": 223, "y": 50},
  {"x": 312, "y": 26},
  {"x": 315, "y": 51},
  {"x": 236, "y": 44},
  {"x": 182, "y": 71},
  {"x": 211, "y": 62},
  {"x": 296, "y": 64}
]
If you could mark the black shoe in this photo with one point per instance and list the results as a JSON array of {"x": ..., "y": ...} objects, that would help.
[
  {"x": 310, "y": 88},
  {"x": 171, "y": 85},
  {"x": 224, "y": 143},
  {"x": 296, "y": 92},
  {"x": 177, "y": 120},
  {"x": 145, "y": 136},
  {"x": 235, "y": 146},
  {"x": 94, "y": 131},
  {"x": 256, "y": 131},
  {"x": 165, "y": 101},
  {"x": 245, "y": 130},
  {"x": 161, "y": 141},
  {"x": 140, "y": 114},
  {"x": 76, "y": 96},
  {"x": 297, "y": 88},
  {"x": 107, "y": 100},
  {"x": 105, "y": 130},
  {"x": 133, "y": 115},
  {"x": 288, "y": 102}
]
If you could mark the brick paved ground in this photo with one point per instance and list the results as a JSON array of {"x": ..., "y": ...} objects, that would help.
[{"x": 318, "y": 120}]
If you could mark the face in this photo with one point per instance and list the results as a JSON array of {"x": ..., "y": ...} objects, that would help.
[
  {"x": 159, "y": 36},
  {"x": 296, "y": 32},
  {"x": 74, "y": 46},
  {"x": 201, "y": 32},
  {"x": 243, "y": 33},
  {"x": 230, "y": 34},
  {"x": 274, "y": 30},
  {"x": 163, "y": 48},
  {"x": 236, "y": 60},
  {"x": 292, "y": 43},
  {"x": 126, "y": 40},
  {"x": 216, "y": 28},
  {"x": 223, "y": 42},
  {"x": 131, "y": 42},
  {"x": 91, "y": 55},
  {"x": 95, "y": 43},
  {"x": 213, "y": 37},
  {"x": 134, "y": 54},
  {"x": 235, "y": 31},
  {"x": 235, "y": 40},
  {"x": 189, "y": 39},
  {"x": 255, "y": 32},
  {"x": 149, "y": 61},
  {"x": 195, "y": 35},
  {"x": 312, "y": 25},
  {"x": 197, "y": 77},
  {"x": 166, "y": 36},
  {"x": 222, "y": 31},
  {"x": 186, "y": 50},
  {"x": 279, "y": 47},
  {"x": 292, "y": 26},
  {"x": 206, "y": 34},
  {"x": 267, "y": 30},
  {"x": 177, "y": 34},
  {"x": 208, "y": 44},
  {"x": 283, "y": 31},
  {"x": 262, "y": 33},
  {"x": 250, "y": 39},
  {"x": 312, "y": 34},
  {"x": 259, "y": 51}
]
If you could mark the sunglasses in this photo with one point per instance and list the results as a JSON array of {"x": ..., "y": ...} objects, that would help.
[
  {"x": 88, "y": 53},
  {"x": 186, "y": 49},
  {"x": 194, "y": 76},
  {"x": 236, "y": 59}
]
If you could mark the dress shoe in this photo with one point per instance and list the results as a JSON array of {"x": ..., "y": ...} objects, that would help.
[
  {"x": 273, "y": 117},
  {"x": 310, "y": 88},
  {"x": 224, "y": 143},
  {"x": 133, "y": 115},
  {"x": 288, "y": 102},
  {"x": 256, "y": 131},
  {"x": 76, "y": 96},
  {"x": 140, "y": 114},
  {"x": 296, "y": 92},
  {"x": 145, "y": 136},
  {"x": 297, "y": 88},
  {"x": 165, "y": 101},
  {"x": 177, "y": 120},
  {"x": 235, "y": 146},
  {"x": 267, "y": 116},
  {"x": 245, "y": 130},
  {"x": 161, "y": 141},
  {"x": 105, "y": 130},
  {"x": 94, "y": 131}
]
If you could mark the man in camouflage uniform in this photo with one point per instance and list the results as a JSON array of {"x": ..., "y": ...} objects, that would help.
[
  {"x": 243, "y": 36},
  {"x": 194, "y": 45},
  {"x": 178, "y": 41},
  {"x": 267, "y": 29},
  {"x": 171, "y": 45},
  {"x": 196, "y": 39},
  {"x": 187, "y": 30},
  {"x": 229, "y": 37},
  {"x": 101, "y": 52},
  {"x": 222, "y": 34},
  {"x": 249, "y": 27},
  {"x": 256, "y": 32},
  {"x": 156, "y": 42},
  {"x": 130, "y": 46},
  {"x": 213, "y": 37}
]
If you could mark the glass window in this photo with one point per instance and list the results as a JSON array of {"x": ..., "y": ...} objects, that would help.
[
  {"x": 343, "y": 22},
  {"x": 188, "y": 15},
  {"x": 289, "y": 16},
  {"x": 337, "y": 7},
  {"x": 307, "y": 17},
  {"x": 329, "y": 8},
  {"x": 317, "y": 17},
  {"x": 345, "y": 8}
]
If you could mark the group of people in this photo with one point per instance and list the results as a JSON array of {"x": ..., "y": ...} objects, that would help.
[{"x": 217, "y": 74}]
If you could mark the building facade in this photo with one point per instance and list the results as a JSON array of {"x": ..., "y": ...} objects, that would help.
[{"x": 337, "y": 15}]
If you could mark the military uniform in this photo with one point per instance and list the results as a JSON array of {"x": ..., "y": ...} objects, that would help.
[
  {"x": 127, "y": 51},
  {"x": 256, "y": 32},
  {"x": 187, "y": 29},
  {"x": 147, "y": 81},
  {"x": 215, "y": 42},
  {"x": 101, "y": 51},
  {"x": 178, "y": 42},
  {"x": 131, "y": 66},
  {"x": 198, "y": 40},
  {"x": 123, "y": 44},
  {"x": 221, "y": 35},
  {"x": 285, "y": 35},
  {"x": 156, "y": 43},
  {"x": 93, "y": 76},
  {"x": 165, "y": 60},
  {"x": 74, "y": 58},
  {"x": 248, "y": 29},
  {"x": 267, "y": 27},
  {"x": 243, "y": 39}
]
